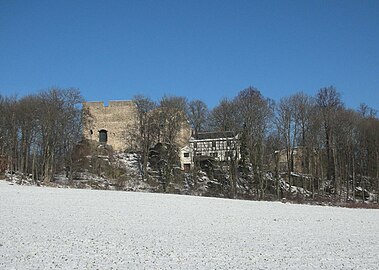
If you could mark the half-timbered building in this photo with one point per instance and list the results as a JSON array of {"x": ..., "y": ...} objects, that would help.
[{"x": 210, "y": 146}]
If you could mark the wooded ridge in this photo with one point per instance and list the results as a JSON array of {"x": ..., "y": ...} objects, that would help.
[{"x": 314, "y": 143}]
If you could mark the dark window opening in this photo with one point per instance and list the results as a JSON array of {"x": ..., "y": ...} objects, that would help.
[
  {"x": 213, "y": 144},
  {"x": 91, "y": 131},
  {"x": 103, "y": 136},
  {"x": 186, "y": 154}
]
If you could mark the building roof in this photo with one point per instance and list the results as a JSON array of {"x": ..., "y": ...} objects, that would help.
[{"x": 214, "y": 135}]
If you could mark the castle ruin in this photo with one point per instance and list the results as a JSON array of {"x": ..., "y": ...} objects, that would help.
[
  {"x": 109, "y": 124},
  {"x": 112, "y": 124}
]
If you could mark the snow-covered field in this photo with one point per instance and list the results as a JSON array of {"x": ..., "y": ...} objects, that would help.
[{"x": 51, "y": 228}]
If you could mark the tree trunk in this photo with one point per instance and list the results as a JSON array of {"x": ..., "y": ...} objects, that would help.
[{"x": 33, "y": 167}]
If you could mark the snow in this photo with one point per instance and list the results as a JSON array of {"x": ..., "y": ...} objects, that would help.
[
  {"x": 128, "y": 161},
  {"x": 51, "y": 228}
]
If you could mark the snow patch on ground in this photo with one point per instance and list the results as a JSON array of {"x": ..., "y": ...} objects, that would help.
[
  {"x": 43, "y": 228},
  {"x": 127, "y": 161}
]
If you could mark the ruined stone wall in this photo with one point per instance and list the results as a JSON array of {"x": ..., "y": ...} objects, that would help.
[
  {"x": 117, "y": 119},
  {"x": 184, "y": 135},
  {"x": 298, "y": 163}
]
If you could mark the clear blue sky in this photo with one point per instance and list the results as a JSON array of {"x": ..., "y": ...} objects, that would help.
[{"x": 198, "y": 49}]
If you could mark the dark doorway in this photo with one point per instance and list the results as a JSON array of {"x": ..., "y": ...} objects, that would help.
[
  {"x": 103, "y": 136},
  {"x": 187, "y": 167}
]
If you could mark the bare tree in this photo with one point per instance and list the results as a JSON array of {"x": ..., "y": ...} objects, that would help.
[
  {"x": 223, "y": 116},
  {"x": 346, "y": 142},
  {"x": 38, "y": 132},
  {"x": 145, "y": 128},
  {"x": 293, "y": 122},
  {"x": 8, "y": 130},
  {"x": 60, "y": 120},
  {"x": 171, "y": 118},
  {"x": 368, "y": 151},
  {"x": 197, "y": 114},
  {"x": 288, "y": 129},
  {"x": 254, "y": 113},
  {"x": 329, "y": 102},
  {"x": 27, "y": 114}
]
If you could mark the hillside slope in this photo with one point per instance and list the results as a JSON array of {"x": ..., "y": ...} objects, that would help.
[{"x": 43, "y": 228}]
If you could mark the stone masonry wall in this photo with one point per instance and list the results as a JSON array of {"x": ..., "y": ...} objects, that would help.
[{"x": 117, "y": 119}]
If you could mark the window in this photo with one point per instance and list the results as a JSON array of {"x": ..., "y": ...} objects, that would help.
[
  {"x": 214, "y": 144},
  {"x": 103, "y": 136},
  {"x": 214, "y": 154},
  {"x": 186, "y": 154}
]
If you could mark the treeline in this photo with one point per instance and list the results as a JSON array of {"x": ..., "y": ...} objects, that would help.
[
  {"x": 339, "y": 146},
  {"x": 38, "y": 132}
]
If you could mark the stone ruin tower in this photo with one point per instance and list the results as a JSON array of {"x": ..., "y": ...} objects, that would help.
[
  {"x": 109, "y": 124},
  {"x": 112, "y": 124}
]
